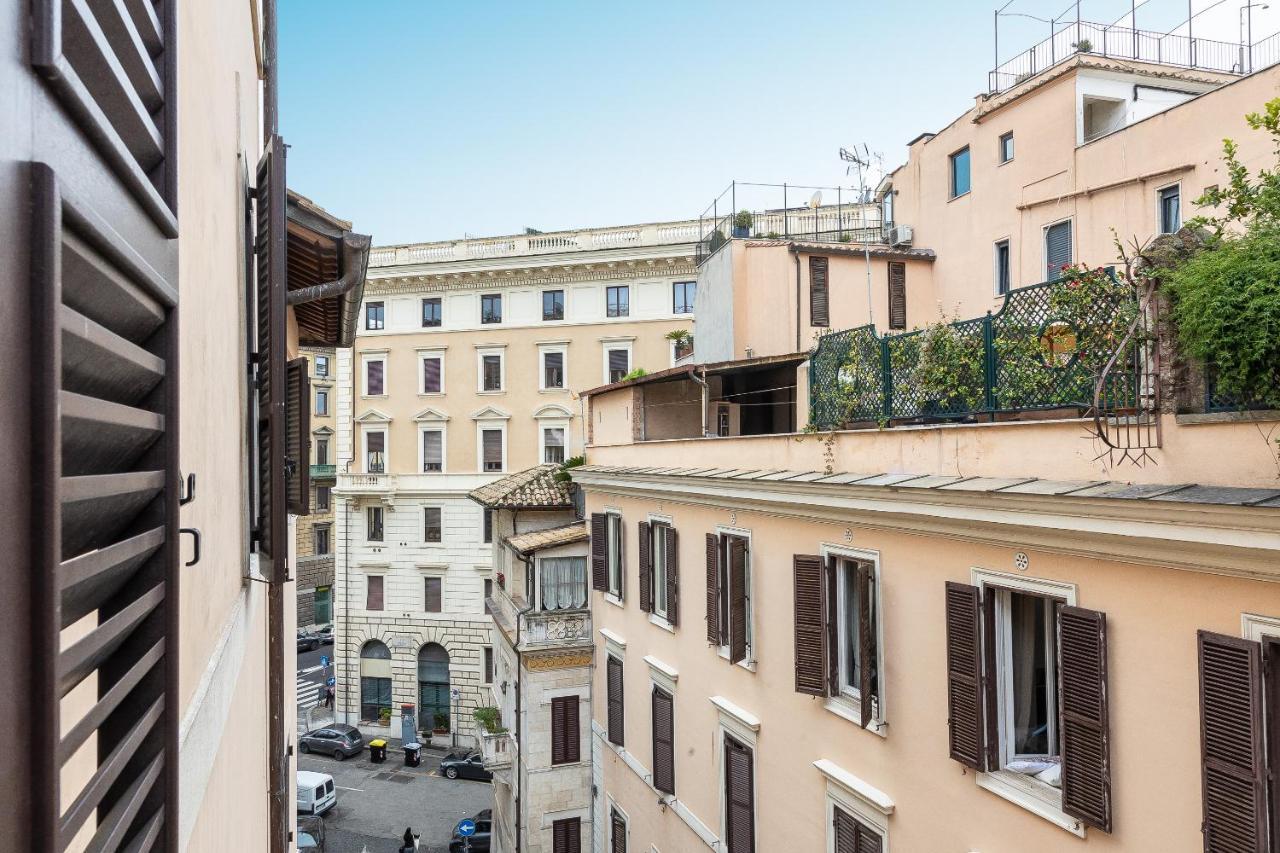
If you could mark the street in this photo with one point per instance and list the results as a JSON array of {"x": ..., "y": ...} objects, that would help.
[{"x": 311, "y": 676}]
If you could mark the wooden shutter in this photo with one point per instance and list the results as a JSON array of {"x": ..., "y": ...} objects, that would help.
[
  {"x": 646, "y": 567},
  {"x": 664, "y": 757},
  {"x": 566, "y": 835},
  {"x": 375, "y": 373},
  {"x": 740, "y": 806},
  {"x": 830, "y": 569},
  {"x": 854, "y": 836},
  {"x": 673, "y": 575},
  {"x": 1083, "y": 717},
  {"x": 1233, "y": 767},
  {"x": 864, "y": 576},
  {"x": 599, "y": 566},
  {"x": 614, "y": 688},
  {"x": 713, "y": 589},
  {"x": 810, "y": 624},
  {"x": 965, "y": 719},
  {"x": 618, "y": 833},
  {"x": 897, "y": 295},
  {"x": 297, "y": 438},
  {"x": 272, "y": 309},
  {"x": 492, "y": 439},
  {"x": 819, "y": 296},
  {"x": 432, "y": 450},
  {"x": 1057, "y": 249},
  {"x": 431, "y": 376},
  {"x": 488, "y": 664},
  {"x": 373, "y": 593},
  {"x": 619, "y": 364},
  {"x": 739, "y": 600},
  {"x": 565, "y": 733}
]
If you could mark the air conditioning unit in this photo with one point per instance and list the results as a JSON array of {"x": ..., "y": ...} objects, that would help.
[{"x": 900, "y": 235}]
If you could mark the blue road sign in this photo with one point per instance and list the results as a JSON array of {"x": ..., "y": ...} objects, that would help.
[
  {"x": 331, "y": 681},
  {"x": 324, "y": 660},
  {"x": 467, "y": 828}
]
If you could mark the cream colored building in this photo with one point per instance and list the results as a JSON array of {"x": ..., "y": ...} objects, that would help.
[
  {"x": 465, "y": 368},
  {"x": 314, "y": 537}
]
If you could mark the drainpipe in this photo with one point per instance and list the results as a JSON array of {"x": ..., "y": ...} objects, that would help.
[
  {"x": 355, "y": 251},
  {"x": 515, "y": 768},
  {"x": 703, "y": 382},
  {"x": 796, "y": 255}
]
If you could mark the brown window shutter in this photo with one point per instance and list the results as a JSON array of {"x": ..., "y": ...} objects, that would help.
[
  {"x": 854, "y": 836},
  {"x": 739, "y": 601},
  {"x": 897, "y": 295},
  {"x": 673, "y": 575},
  {"x": 431, "y": 375},
  {"x": 713, "y": 589},
  {"x": 271, "y": 248},
  {"x": 740, "y": 806},
  {"x": 1082, "y": 713},
  {"x": 664, "y": 758},
  {"x": 810, "y": 627},
  {"x": 565, "y": 732},
  {"x": 297, "y": 438},
  {"x": 614, "y": 687},
  {"x": 832, "y": 625},
  {"x": 865, "y": 575},
  {"x": 618, "y": 831},
  {"x": 599, "y": 568},
  {"x": 646, "y": 567},
  {"x": 566, "y": 835},
  {"x": 488, "y": 664},
  {"x": 819, "y": 311},
  {"x": 1233, "y": 766},
  {"x": 965, "y": 719},
  {"x": 374, "y": 592},
  {"x": 492, "y": 440}
]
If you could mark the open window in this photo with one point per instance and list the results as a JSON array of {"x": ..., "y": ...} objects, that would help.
[
  {"x": 659, "y": 571},
  {"x": 729, "y": 623},
  {"x": 606, "y": 553}
]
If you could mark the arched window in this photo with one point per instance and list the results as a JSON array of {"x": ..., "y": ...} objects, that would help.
[
  {"x": 375, "y": 682},
  {"x": 433, "y": 687}
]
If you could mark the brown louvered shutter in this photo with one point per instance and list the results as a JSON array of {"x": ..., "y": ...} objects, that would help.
[
  {"x": 1083, "y": 717},
  {"x": 599, "y": 568},
  {"x": 373, "y": 592},
  {"x": 810, "y": 625},
  {"x": 664, "y": 757},
  {"x": 618, "y": 833},
  {"x": 740, "y": 806},
  {"x": 566, "y": 835},
  {"x": 897, "y": 295},
  {"x": 491, "y": 440},
  {"x": 739, "y": 601},
  {"x": 864, "y": 575},
  {"x": 297, "y": 438},
  {"x": 1271, "y": 722},
  {"x": 713, "y": 589},
  {"x": 619, "y": 364},
  {"x": 819, "y": 296},
  {"x": 565, "y": 732},
  {"x": 829, "y": 569},
  {"x": 646, "y": 567},
  {"x": 614, "y": 688},
  {"x": 673, "y": 575},
  {"x": 1233, "y": 767},
  {"x": 965, "y": 718},
  {"x": 854, "y": 836},
  {"x": 272, "y": 309},
  {"x": 431, "y": 376}
]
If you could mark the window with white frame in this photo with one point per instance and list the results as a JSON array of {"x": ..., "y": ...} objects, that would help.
[
  {"x": 374, "y": 316},
  {"x": 373, "y": 524},
  {"x": 1001, "y": 267},
  {"x": 1057, "y": 249},
  {"x": 375, "y": 450},
  {"x": 730, "y": 625},
  {"x": 431, "y": 316},
  {"x": 682, "y": 294},
  {"x": 431, "y": 372},
  {"x": 617, "y": 362},
  {"x": 491, "y": 308},
  {"x": 433, "y": 594},
  {"x": 618, "y": 301},
  {"x": 562, "y": 583},
  {"x": 553, "y": 373},
  {"x": 491, "y": 370},
  {"x": 322, "y": 450},
  {"x": 617, "y": 830},
  {"x": 1027, "y": 668},
  {"x": 433, "y": 524},
  {"x": 553, "y": 438},
  {"x": 493, "y": 449},
  {"x": 432, "y": 450},
  {"x": 375, "y": 375},
  {"x": 322, "y": 365},
  {"x": 660, "y": 540},
  {"x": 613, "y": 553},
  {"x": 1170, "y": 208},
  {"x": 322, "y": 400},
  {"x": 322, "y": 542}
]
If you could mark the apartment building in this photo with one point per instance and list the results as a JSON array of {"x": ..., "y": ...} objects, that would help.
[
  {"x": 991, "y": 622},
  {"x": 314, "y": 535},
  {"x": 464, "y": 370},
  {"x": 157, "y": 424}
]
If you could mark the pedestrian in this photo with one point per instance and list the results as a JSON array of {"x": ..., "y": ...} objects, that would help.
[
  {"x": 410, "y": 841},
  {"x": 328, "y": 696}
]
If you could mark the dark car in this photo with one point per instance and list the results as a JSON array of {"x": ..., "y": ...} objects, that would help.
[
  {"x": 308, "y": 642},
  {"x": 464, "y": 765},
  {"x": 339, "y": 740},
  {"x": 479, "y": 841},
  {"x": 324, "y": 635},
  {"x": 310, "y": 836}
]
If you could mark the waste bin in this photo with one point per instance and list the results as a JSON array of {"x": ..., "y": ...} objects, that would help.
[
  {"x": 378, "y": 751},
  {"x": 412, "y": 754}
]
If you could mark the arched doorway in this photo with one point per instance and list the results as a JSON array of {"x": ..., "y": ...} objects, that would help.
[
  {"x": 375, "y": 682},
  {"x": 433, "y": 687}
]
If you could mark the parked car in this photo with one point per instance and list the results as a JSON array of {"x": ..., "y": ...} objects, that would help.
[
  {"x": 307, "y": 642},
  {"x": 339, "y": 740},
  {"x": 325, "y": 635},
  {"x": 479, "y": 841},
  {"x": 464, "y": 765},
  {"x": 310, "y": 837},
  {"x": 316, "y": 794}
]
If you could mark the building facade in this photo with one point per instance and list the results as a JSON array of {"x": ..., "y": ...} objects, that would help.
[{"x": 314, "y": 534}]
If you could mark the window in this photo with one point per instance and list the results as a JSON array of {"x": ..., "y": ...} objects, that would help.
[
  {"x": 375, "y": 680},
  {"x": 617, "y": 831},
  {"x": 617, "y": 301},
  {"x": 553, "y": 305},
  {"x": 681, "y": 348},
  {"x": 488, "y": 525},
  {"x": 322, "y": 401},
  {"x": 433, "y": 589},
  {"x": 373, "y": 519},
  {"x": 566, "y": 835},
  {"x": 897, "y": 277},
  {"x": 375, "y": 371},
  {"x": 664, "y": 755},
  {"x": 1002, "y": 267},
  {"x": 433, "y": 525},
  {"x": 491, "y": 450},
  {"x": 617, "y": 363},
  {"x": 323, "y": 607},
  {"x": 323, "y": 494},
  {"x": 322, "y": 365},
  {"x": 491, "y": 372},
  {"x": 566, "y": 739},
  {"x": 491, "y": 308},
  {"x": 374, "y": 318},
  {"x": 819, "y": 302},
  {"x": 739, "y": 797},
  {"x": 431, "y": 312},
  {"x": 552, "y": 369},
  {"x": 433, "y": 450},
  {"x": 960, "y": 173},
  {"x": 1006, "y": 147},
  {"x": 729, "y": 588},
  {"x": 563, "y": 583},
  {"x": 658, "y": 573},
  {"x": 613, "y": 687},
  {"x": 373, "y": 585},
  {"x": 606, "y": 553},
  {"x": 1057, "y": 249},
  {"x": 488, "y": 665},
  {"x": 853, "y": 835},
  {"x": 375, "y": 451},
  {"x": 322, "y": 451},
  {"x": 488, "y": 593},
  {"x": 553, "y": 444},
  {"x": 320, "y": 534},
  {"x": 1170, "y": 209},
  {"x": 682, "y": 294},
  {"x": 432, "y": 374}
]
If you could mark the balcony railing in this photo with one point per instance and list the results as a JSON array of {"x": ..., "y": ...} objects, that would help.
[
  {"x": 324, "y": 470},
  {"x": 367, "y": 483},
  {"x": 555, "y": 627},
  {"x": 497, "y": 750}
]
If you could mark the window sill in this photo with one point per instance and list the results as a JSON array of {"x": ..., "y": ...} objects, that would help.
[
  {"x": 848, "y": 709},
  {"x": 747, "y": 663},
  {"x": 490, "y": 393},
  {"x": 964, "y": 194},
  {"x": 1036, "y": 797},
  {"x": 661, "y": 622},
  {"x": 614, "y": 600},
  {"x": 430, "y": 393},
  {"x": 552, "y": 390},
  {"x": 374, "y": 396}
]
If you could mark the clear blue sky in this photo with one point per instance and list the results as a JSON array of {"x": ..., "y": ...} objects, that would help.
[{"x": 426, "y": 120}]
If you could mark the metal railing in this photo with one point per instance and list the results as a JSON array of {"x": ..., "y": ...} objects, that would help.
[
  {"x": 324, "y": 470},
  {"x": 1118, "y": 42}
]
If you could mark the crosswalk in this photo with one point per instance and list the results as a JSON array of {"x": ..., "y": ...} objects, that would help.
[{"x": 309, "y": 692}]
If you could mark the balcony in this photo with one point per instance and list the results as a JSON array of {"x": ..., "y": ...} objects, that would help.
[
  {"x": 324, "y": 472},
  {"x": 366, "y": 484},
  {"x": 555, "y": 628},
  {"x": 498, "y": 750}
]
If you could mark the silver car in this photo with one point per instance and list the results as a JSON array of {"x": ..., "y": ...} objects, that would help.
[{"x": 339, "y": 740}]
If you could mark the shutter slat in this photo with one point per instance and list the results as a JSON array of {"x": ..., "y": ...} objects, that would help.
[
  {"x": 1083, "y": 717},
  {"x": 599, "y": 570},
  {"x": 831, "y": 625},
  {"x": 272, "y": 263},
  {"x": 646, "y": 567},
  {"x": 740, "y": 812},
  {"x": 738, "y": 599},
  {"x": 819, "y": 300},
  {"x": 864, "y": 575},
  {"x": 897, "y": 295},
  {"x": 87, "y": 654},
  {"x": 615, "y": 701},
  {"x": 297, "y": 438},
  {"x": 810, "y": 625},
  {"x": 1057, "y": 249},
  {"x": 664, "y": 777},
  {"x": 673, "y": 576},
  {"x": 566, "y": 835},
  {"x": 965, "y": 718},
  {"x": 713, "y": 589}
]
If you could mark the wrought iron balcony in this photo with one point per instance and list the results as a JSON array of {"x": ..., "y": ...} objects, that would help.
[{"x": 325, "y": 471}]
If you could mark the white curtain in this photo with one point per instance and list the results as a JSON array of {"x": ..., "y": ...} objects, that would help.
[{"x": 564, "y": 582}]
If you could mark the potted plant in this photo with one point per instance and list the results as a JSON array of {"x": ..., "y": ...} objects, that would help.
[
  {"x": 1083, "y": 46},
  {"x": 489, "y": 718},
  {"x": 384, "y": 716},
  {"x": 742, "y": 223},
  {"x": 441, "y": 724},
  {"x": 682, "y": 340}
]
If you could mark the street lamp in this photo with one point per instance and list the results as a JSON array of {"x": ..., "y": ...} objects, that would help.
[{"x": 1246, "y": 33}]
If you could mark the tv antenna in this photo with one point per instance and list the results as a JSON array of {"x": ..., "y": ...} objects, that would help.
[{"x": 860, "y": 163}]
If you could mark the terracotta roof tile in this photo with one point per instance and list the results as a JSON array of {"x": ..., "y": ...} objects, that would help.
[
  {"x": 552, "y": 537},
  {"x": 532, "y": 488}
]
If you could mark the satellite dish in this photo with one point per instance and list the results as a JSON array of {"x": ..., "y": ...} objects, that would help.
[{"x": 815, "y": 201}]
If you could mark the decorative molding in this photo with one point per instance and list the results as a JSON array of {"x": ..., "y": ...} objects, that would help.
[
  {"x": 431, "y": 415},
  {"x": 373, "y": 416},
  {"x": 552, "y": 410},
  {"x": 490, "y": 413},
  {"x": 864, "y": 791},
  {"x": 556, "y": 274},
  {"x": 535, "y": 662}
]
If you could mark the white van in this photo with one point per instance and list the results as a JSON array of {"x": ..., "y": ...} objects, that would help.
[{"x": 316, "y": 794}]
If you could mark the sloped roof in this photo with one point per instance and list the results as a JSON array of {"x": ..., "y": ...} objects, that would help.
[
  {"x": 552, "y": 537},
  {"x": 532, "y": 488}
]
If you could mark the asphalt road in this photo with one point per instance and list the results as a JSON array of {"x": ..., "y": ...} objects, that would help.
[
  {"x": 377, "y": 801},
  {"x": 311, "y": 678}
]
